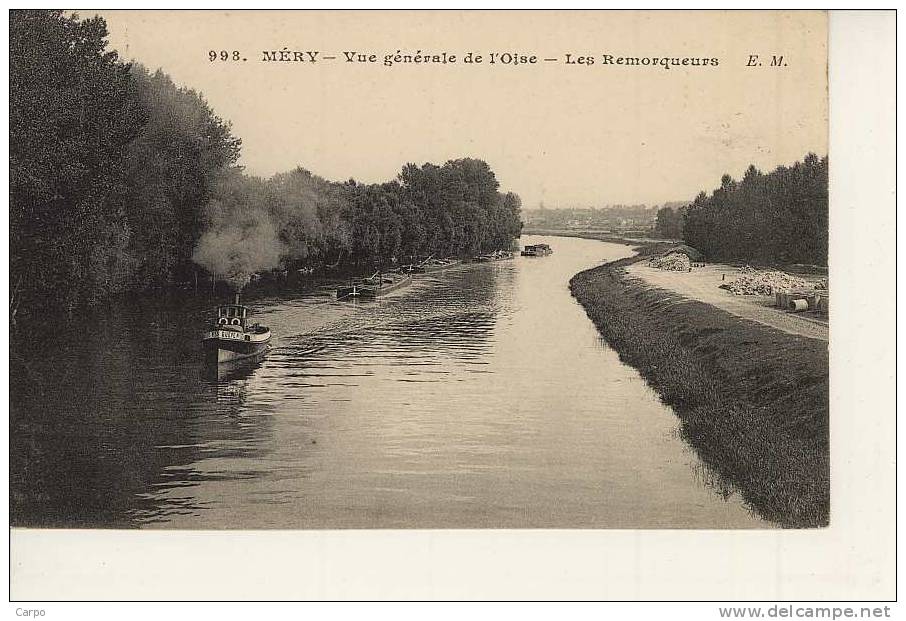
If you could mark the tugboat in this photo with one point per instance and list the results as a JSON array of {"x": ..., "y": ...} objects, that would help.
[{"x": 231, "y": 337}]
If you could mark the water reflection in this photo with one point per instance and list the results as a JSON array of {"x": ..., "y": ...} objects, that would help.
[
  {"x": 477, "y": 397},
  {"x": 226, "y": 373},
  {"x": 106, "y": 412}
]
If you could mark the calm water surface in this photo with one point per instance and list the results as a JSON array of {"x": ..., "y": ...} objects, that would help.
[{"x": 476, "y": 398}]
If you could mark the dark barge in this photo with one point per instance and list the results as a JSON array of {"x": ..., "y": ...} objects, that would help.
[
  {"x": 537, "y": 250},
  {"x": 374, "y": 286}
]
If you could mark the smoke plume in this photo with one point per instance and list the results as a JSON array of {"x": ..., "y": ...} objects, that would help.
[
  {"x": 236, "y": 251},
  {"x": 252, "y": 224}
]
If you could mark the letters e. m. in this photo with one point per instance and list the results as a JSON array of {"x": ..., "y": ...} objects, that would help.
[{"x": 776, "y": 61}]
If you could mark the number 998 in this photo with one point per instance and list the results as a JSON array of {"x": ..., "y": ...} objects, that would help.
[{"x": 223, "y": 55}]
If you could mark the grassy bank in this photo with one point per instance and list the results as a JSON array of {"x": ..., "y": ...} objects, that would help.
[{"x": 753, "y": 401}]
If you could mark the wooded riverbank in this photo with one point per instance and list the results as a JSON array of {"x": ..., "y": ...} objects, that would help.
[
  {"x": 752, "y": 400},
  {"x": 132, "y": 184}
]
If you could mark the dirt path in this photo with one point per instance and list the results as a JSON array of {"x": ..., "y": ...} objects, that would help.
[{"x": 702, "y": 284}]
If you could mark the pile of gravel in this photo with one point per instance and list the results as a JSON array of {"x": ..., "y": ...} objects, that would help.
[
  {"x": 764, "y": 283},
  {"x": 675, "y": 261}
]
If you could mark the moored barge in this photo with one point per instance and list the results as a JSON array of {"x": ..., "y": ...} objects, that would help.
[
  {"x": 431, "y": 265},
  {"x": 374, "y": 286},
  {"x": 497, "y": 255}
]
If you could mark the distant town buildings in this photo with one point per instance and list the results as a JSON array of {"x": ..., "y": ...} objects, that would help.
[{"x": 622, "y": 219}]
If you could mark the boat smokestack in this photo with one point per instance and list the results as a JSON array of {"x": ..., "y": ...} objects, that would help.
[{"x": 237, "y": 298}]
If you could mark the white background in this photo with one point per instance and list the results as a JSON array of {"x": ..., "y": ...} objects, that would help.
[{"x": 852, "y": 560}]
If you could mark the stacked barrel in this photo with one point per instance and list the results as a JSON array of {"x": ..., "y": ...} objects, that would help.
[{"x": 798, "y": 300}]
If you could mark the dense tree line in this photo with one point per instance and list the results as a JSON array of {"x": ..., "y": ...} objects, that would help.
[
  {"x": 109, "y": 165},
  {"x": 72, "y": 117},
  {"x": 669, "y": 222},
  {"x": 779, "y": 217},
  {"x": 122, "y": 181},
  {"x": 299, "y": 220}
]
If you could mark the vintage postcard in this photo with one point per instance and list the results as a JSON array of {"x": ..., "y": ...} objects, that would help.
[{"x": 308, "y": 270}]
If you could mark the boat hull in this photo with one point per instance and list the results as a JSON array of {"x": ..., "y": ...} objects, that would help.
[
  {"x": 367, "y": 290},
  {"x": 219, "y": 349},
  {"x": 493, "y": 258},
  {"x": 430, "y": 269}
]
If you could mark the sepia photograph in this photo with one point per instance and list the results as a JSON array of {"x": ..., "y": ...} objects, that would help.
[
  {"x": 271, "y": 298},
  {"x": 367, "y": 270}
]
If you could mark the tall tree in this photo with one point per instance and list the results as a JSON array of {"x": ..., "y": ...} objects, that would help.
[
  {"x": 72, "y": 115},
  {"x": 778, "y": 217},
  {"x": 172, "y": 165}
]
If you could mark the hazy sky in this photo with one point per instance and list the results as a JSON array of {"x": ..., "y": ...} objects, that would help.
[{"x": 564, "y": 134}]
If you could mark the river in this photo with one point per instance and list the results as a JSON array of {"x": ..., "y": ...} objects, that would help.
[{"x": 480, "y": 397}]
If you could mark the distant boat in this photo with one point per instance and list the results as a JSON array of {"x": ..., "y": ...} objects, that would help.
[
  {"x": 231, "y": 337},
  {"x": 374, "y": 286},
  {"x": 537, "y": 250}
]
